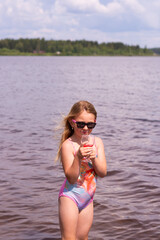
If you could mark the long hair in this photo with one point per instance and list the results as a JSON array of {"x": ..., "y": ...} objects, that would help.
[{"x": 68, "y": 131}]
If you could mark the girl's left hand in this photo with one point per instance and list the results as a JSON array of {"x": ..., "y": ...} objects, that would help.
[{"x": 93, "y": 154}]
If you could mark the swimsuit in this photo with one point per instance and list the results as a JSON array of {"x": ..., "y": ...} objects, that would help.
[{"x": 81, "y": 192}]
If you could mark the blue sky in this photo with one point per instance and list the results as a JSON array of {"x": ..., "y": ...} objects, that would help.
[{"x": 129, "y": 21}]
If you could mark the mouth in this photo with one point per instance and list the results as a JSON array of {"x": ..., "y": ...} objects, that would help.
[{"x": 85, "y": 132}]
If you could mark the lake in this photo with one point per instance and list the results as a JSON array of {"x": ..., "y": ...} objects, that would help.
[{"x": 35, "y": 92}]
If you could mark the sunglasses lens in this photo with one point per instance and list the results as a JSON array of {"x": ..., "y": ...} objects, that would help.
[
  {"x": 91, "y": 125},
  {"x": 80, "y": 124}
]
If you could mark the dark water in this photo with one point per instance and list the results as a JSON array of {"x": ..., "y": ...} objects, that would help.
[{"x": 34, "y": 92}]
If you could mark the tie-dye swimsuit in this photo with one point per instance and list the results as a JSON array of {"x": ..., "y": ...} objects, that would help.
[{"x": 81, "y": 192}]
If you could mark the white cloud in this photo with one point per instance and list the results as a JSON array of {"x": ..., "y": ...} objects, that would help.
[
  {"x": 129, "y": 21},
  {"x": 88, "y": 6},
  {"x": 23, "y": 11},
  {"x": 58, "y": 8},
  {"x": 134, "y": 5},
  {"x": 9, "y": 11},
  {"x": 146, "y": 12},
  {"x": 152, "y": 14}
]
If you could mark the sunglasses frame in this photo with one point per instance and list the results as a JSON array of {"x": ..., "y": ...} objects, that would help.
[{"x": 85, "y": 124}]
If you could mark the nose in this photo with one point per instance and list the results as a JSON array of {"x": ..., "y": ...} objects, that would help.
[{"x": 85, "y": 127}]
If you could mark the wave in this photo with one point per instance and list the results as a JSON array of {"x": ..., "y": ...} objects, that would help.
[{"x": 145, "y": 120}]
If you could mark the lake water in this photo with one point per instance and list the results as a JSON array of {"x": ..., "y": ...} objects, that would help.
[{"x": 34, "y": 93}]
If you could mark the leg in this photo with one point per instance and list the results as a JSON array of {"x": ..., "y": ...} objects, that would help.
[
  {"x": 68, "y": 217},
  {"x": 85, "y": 220}
]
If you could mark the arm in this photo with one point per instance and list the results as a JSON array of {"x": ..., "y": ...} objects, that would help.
[
  {"x": 99, "y": 163},
  {"x": 71, "y": 163}
]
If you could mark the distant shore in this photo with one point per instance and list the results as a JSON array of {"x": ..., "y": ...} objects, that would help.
[
  {"x": 42, "y": 47},
  {"x": 14, "y": 52},
  {"x": 17, "y": 53}
]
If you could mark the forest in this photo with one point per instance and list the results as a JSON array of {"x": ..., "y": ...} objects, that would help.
[
  {"x": 40, "y": 46},
  {"x": 156, "y": 50}
]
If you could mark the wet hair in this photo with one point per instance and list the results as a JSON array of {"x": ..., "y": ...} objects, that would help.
[{"x": 76, "y": 109}]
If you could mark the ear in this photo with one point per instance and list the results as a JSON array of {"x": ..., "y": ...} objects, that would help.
[{"x": 71, "y": 123}]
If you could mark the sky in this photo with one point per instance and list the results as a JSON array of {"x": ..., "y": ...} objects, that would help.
[{"x": 133, "y": 22}]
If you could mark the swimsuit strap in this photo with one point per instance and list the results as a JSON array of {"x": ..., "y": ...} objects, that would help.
[
  {"x": 94, "y": 143},
  {"x": 72, "y": 145}
]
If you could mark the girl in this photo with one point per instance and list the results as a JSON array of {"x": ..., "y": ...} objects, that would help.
[{"x": 81, "y": 166}]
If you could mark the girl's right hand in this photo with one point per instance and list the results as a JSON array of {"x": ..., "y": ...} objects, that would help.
[{"x": 85, "y": 152}]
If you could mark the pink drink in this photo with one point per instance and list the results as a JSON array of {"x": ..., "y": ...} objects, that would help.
[
  {"x": 88, "y": 145},
  {"x": 87, "y": 141}
]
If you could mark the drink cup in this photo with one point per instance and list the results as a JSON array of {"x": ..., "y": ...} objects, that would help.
[{"x": 87, "y": 141}]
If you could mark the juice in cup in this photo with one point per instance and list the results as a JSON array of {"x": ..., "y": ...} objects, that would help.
[
  {"x": 87, "y": 141},
  {"x": 88, "y": 145}
]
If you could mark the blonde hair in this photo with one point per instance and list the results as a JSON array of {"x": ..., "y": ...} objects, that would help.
[{"x": 68, "y": 131}]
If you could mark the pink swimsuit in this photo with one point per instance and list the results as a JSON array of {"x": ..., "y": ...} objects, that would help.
[{"x": 81, "y": 192}]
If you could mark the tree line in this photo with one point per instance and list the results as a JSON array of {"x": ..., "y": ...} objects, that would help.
[
  {"x": 156, "y": 50},
  {"x": 40, "y": 46}
]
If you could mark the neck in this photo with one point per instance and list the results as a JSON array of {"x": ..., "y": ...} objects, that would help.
[{"x": 76, "y": 138}]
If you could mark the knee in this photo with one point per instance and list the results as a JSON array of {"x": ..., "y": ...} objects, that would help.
[
  {"x": 68, "y": 238},
  {"x": 82, "y": 238}
]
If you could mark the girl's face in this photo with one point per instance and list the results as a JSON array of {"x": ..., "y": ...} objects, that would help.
[{"x": 83, "y": 117}]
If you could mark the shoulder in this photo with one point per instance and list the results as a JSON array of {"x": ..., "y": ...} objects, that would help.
[
  {"x": 66, "y": 144},
  {"x": 67, "y": 147},
  {"x": 98, "y": 141}
]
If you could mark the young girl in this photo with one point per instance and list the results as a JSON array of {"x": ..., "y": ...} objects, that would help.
[{"x": 81, "y": 166}]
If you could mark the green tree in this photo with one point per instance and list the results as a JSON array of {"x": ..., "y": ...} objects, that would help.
[{"x": 19, "y": 46}]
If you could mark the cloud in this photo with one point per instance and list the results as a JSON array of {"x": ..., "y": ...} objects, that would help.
[
  {"x": 101, "y": 20},
  {"x": 152, "y": 16},
  {"x": 88, "y": 7},
  {"x": 21, "y": 12},
  {"x": 143, "y": 12},
  {"x": 123, "y": 13},
  {"x": 134, "y": 6}
]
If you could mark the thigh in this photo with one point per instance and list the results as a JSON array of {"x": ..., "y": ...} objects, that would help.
[
  {"x": 85, "y": 220},
  {"x": 68, "y": 218}
]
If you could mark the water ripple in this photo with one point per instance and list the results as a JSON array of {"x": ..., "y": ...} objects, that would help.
[{"x": 33, "y": 98}]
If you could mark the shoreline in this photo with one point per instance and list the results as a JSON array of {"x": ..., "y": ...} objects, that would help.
[{"x": 77, "y": 55}]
